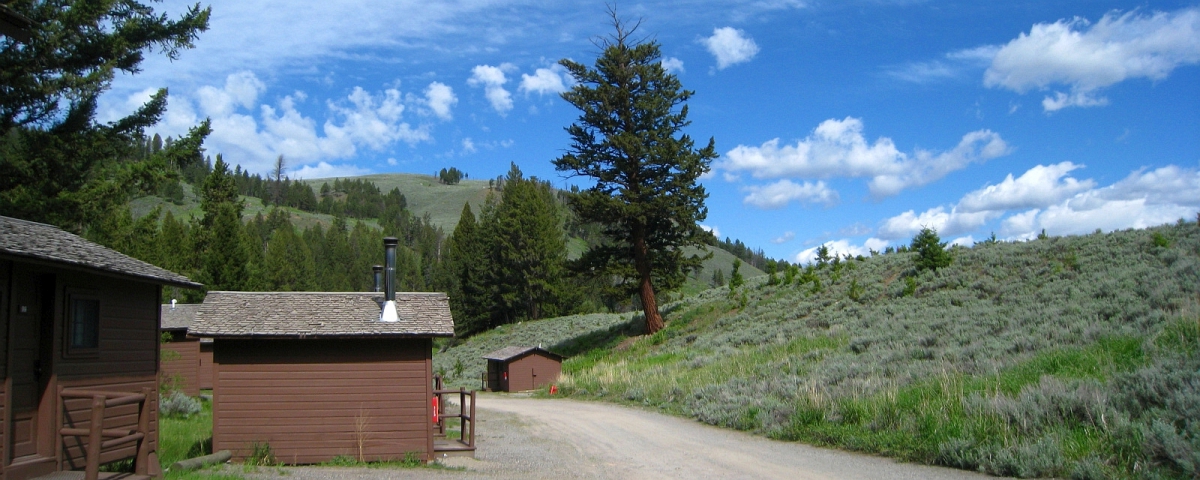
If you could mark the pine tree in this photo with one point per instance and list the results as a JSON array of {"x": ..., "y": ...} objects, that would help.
[
  {"x": 931, "y": 252},
  {"x": 470, "y": 299},
  {"x": 288, "y": 263},
  {"x": 646, "y": 193},
  {"x": 527, "y": 249},
  {"x": 224, "y": 258},
  {"x": 735, "y": 277}
]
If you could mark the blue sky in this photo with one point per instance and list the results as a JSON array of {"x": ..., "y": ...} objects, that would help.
[{"x": 850, "y": 124}]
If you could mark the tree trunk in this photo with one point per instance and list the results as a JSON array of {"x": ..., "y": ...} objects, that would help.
[{"x": 654, "y": 320}]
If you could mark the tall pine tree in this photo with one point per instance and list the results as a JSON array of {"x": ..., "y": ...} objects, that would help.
[{"x": 628, "y": 139}]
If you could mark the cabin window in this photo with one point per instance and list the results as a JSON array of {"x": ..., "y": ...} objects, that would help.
[{"x": 83, "y": 324}]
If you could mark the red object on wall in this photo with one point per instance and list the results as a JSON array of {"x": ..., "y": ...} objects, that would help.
[{"x": 435, "y": 409}]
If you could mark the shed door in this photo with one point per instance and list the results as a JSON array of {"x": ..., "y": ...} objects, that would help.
[{"x": 31, "y": 343}]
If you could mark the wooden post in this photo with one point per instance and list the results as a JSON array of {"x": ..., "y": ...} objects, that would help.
[
  {"x": 472, "y": 444},
  {"x": 95, "y": 439},
  {"x": 60, "y": 405},
  {"x": 141, "y": 465}
]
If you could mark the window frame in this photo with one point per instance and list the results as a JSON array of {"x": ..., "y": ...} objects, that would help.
[{"x": 69, "y": 348}]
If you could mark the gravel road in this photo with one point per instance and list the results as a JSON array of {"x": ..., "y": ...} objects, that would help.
[{"x": 524, "y": 438}]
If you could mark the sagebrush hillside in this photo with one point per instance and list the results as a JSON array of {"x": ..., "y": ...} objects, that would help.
[{"x": 1065, "y": 356}]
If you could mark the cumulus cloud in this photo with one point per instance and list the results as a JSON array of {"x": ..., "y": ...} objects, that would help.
[
  {"x": 786, "y": 237},
  {"x": 842, "y": 248},
  {"x": 711, "y": 229},
  {"x": 779, "y": 194},
  {"x": 1046, "y": 197},
  {"x": 468, "y": 146},
  {"x": 492, "y": 79},
  {"x": 1041, "y": 185},
  {"x": 254, "y": 134},
  {"x": 1086, "y": 57},
  {"x": 952, "y": 65},
  {"x": 838, "y": 148},
  {"x": 1145, "y": 198},
  {"x": 730, "y": 46},
  {"x": 672, "y": 65},
  {"x": 553, "y": 80},
  {"x": 325, "y": 170},
  {"x": 440, "y": 98}
]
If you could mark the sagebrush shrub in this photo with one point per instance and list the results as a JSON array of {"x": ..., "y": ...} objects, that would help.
[{"x": 178, "y": 404}]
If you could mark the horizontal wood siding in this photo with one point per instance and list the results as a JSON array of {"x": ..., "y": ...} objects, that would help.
[
  {"x": 78, "y": 412},
  {"x": 129, "y": 334},
  {"x": 313, "y": 400},
  {"x": 182, "y": 367},
  {"x": 206, "y": 366},
  {"x": 532, "y": 371}
]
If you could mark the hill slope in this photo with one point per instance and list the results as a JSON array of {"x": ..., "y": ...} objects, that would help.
[{"x": 1073, "y": 356}]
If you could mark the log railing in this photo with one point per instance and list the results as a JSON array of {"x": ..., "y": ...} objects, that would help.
[
  {"x": 97, "y": 438},
  {"x": 466, "y": 415}
]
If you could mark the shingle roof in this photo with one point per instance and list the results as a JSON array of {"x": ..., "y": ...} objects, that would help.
[
  {"x": 39, "y": 241},
  {"x": 179, "y": 316},
  {"x": 320, "y": 314},
  {"x": 509, "y": 353}
]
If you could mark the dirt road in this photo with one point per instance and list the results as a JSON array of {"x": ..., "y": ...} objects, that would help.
[{"x": 552, "y": 439}]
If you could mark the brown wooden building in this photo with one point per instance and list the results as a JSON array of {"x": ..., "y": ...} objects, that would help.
[
  {"x": 516, "y": 369},
  {"x": 80, "y": 341},
  {"x": 180, "y": 361},
  {"x": 316, "y": 375}
]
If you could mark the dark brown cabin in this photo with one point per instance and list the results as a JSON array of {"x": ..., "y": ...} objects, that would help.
[
  {"x": 516, "y": 369},
  {"x": 81, "y": 341},
  {"x": 316, "y": 375},
  {"x": 180, "y": 358}
]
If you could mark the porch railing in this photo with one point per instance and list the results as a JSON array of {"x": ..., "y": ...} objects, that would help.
[
  {"x": 465, "y": 414},
  {"x": 97, "y": 438}
]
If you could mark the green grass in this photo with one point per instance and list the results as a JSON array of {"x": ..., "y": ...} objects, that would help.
[{"x": 183, "y": 438}]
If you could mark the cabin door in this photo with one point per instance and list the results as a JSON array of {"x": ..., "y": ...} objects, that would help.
[{"x": 31, "y": 343}]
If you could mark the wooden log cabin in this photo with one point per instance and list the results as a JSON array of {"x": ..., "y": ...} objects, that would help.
[
  {"x": 180, "y": 361},
  {"x": 80, "y": 335},
  {"x": 317, "y": 375},
  {"x": 516, "y": 369}
]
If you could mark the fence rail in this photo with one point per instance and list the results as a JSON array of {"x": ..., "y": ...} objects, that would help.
[
  {"x": 465, "y": 414},
  {"x": 97, "y": 438}
]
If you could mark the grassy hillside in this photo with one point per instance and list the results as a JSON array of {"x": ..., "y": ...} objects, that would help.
[
  {"x": 1073, "y": 356},
  {"x": 425, "y": 195}
]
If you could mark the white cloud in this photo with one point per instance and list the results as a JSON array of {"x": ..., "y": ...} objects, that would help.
[
  {"x": 392, "y": 161},
  {"x": 672, "y": 65},
  {"x": 440, "y": 97},
  {"x": 1087, "y": 57},
  {"x": 1142, "y": 199},
  {"x": 553, "y": 80},
  {"x": 492, "y": 79},
  {"x": 241, "y": 90},
  {"x": 1040, "y": 186},
  {"x": 468, "y": 146},
  {"x": 786, "y": 237},
  {"x": 325, "y": 170},
  {"x": 953, "y": 65},
  {"x": 946, "y": 223},
  {"x": 711, "y": 229},
  {"x": 779, "y": 194},
  {"x": 965, "y": 241},
  {"x": 841, "y": 248},
  {"x": 730, "y": 46},
  {"x": 837, "y": 148}
]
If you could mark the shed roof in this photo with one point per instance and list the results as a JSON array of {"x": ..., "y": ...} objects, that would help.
[
  {"x": 22, "y": 238},
  {"x": 179, "y": 316},
  {"x": 320, "y": 314},
  {"x": 509, "y": 353}
]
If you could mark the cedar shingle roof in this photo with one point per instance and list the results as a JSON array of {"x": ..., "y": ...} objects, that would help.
[
  {"x": 21, "y": 238},
  {"x": 320, "y": 314},
  {"x": 508, "y": 353},
  {"x": 180, "y": 317}
]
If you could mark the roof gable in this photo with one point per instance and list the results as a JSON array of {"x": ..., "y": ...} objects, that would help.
[
  {"x": 508, "y": 353},
  {"x": 320, "y": 314},
  {"x": 179, "y": 316},
  {"x": 22, "y": 238}
]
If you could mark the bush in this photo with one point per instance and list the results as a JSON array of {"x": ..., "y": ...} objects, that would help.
[
  {"x": 931, "y": 252},
  {"x": 177, "y": 404}
]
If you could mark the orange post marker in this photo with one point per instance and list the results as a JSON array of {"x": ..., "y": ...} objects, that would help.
[{"x": 553, "y": 389}]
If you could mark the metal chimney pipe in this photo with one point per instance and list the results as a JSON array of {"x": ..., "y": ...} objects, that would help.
[
  {"x": 389, "y": 314},
  {"x": 389, "y": 269},
  {"x": 377, "y": 270}
]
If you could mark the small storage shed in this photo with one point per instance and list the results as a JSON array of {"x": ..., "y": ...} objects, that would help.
[
  {"x": 79, "y": 331},
  {"x": 515, "y": 369},
  {"x": 316, "y": 375},
  {"x": 179, "y": 367}
]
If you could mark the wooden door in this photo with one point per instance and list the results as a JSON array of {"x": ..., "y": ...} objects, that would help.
[{"x": 30, "y": 342}]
